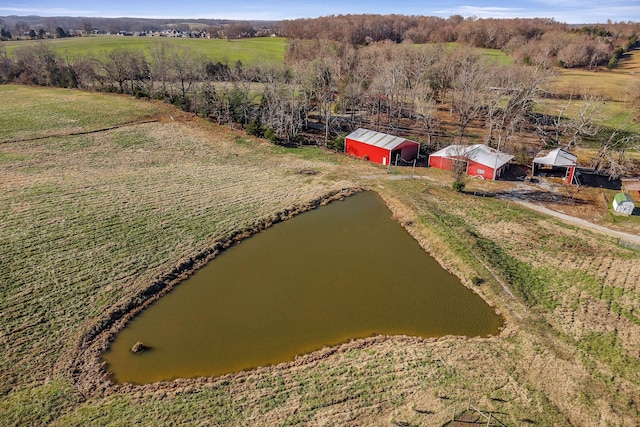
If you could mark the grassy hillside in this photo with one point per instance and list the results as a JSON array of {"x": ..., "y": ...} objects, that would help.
[
  {"x": 48, "y": 112},
  {"x": 249, "y": 51},
  {"x": 92, "y": 218},
  {"x": 616, "y": 87}
]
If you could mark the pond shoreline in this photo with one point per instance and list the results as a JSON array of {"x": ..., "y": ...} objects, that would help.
[{"x": 89, "y": 372}]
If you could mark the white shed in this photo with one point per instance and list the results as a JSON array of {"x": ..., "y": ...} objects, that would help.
[{"x": 622, "y": 203}]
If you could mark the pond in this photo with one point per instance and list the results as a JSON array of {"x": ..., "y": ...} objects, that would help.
[{"x": 343, "y": 271}]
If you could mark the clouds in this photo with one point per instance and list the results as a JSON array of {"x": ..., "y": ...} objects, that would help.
[
  {"x": 568, "y": 11},
  {"x": 55, "y": 11},
  {"x": 484, "y": 12}
]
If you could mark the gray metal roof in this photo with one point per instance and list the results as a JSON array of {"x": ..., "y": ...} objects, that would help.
[
  {"x": 557, "y": 157},
  {"x": 479, "y": 153},
  {"x": 377, "y": 139}
]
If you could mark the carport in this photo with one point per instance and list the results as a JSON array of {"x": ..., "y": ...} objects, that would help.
[{"x": 557, "y": 159}]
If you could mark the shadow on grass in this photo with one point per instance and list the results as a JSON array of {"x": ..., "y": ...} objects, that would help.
[{"x": 532, "y": 196}]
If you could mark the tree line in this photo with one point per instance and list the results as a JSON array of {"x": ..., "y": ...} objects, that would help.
[
  {"x": 536, "y": 41},
  {"x": 435, "y": 93}
]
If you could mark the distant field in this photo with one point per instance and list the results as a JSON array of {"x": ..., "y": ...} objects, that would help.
[
  {"x": 610, "y": 84},
  {"x": 249, "y": 51},
  {"x": 492, "y": 55},
  {"x": 496, "y": 56},
  {"x": 615, "y": 87}
]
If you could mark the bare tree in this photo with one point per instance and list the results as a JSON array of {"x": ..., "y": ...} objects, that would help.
[
  {"x": 459, "y": 167},
  {"x": 86, "y": 71},
  {"x": 282, "y": 109},
  {"x": 217, "y": 97},
  {"x": 584, "y": 123},
  {"x": 238, "y": 30},
  {"x": 159, "y": 69},
  {"x": 427, "y": 114},
  {"x": 612, "y": 152},
  {"x": 576, "y": 119},
  {"x": 469, "y": 83},
  {"x": 319, "y": 86},
  {"x": 186, "y": 69},
  {"x": 39, "y": 65},
  {"x": 633, "y": 93},
  {"x": 126, "y": 67},
  {"x": 6, "y": 66},
  {"x": 87, "y": 27},
  {"x": 573, "y": 55},
  {"x": 510, "y": 99}
]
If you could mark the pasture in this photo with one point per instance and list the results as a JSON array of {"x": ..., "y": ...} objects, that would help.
[
  {"x": 268, "y": 50},
  {"x": 53, "y": 112},
  {"x": 616, "y": 87},
  {"x": 98, "y": 213}
]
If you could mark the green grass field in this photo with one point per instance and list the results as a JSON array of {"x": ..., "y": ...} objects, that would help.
[
  {"x": 90, "y": 220},
  {"x": 250, "y": 51},
  {"x": 615, "y": 88},
  {"x": 53, "y": 113}
]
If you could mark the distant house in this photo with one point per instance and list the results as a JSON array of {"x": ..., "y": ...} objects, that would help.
[
  {"x": 380, "y": 147},
  {"x": 477, "y": 160},
  {"x": 623, "y": 204},
  {"x": 557, "y": 159}
]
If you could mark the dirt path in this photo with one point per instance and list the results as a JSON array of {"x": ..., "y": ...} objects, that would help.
[{"x": 633, "y": 238}]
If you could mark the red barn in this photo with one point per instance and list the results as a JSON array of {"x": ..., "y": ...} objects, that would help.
[
  {"x": 380, "y": 147},
  {"x": 479, "y": 160}
]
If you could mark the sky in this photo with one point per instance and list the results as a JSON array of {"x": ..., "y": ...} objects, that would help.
[{"x": 567, "y": 11}]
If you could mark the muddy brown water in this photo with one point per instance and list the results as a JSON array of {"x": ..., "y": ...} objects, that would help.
[{"x": 343, "y": 271}]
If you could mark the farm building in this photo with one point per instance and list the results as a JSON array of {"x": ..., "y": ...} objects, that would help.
[
  {"x": 555, "y": 160},
  {"x": 623, "y": 204},
  {"x": 380, "y": 147},
  {"x": 479, "y": 160}
]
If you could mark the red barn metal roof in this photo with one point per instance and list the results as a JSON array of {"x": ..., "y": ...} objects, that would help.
[{"x": 378, "y": 139}]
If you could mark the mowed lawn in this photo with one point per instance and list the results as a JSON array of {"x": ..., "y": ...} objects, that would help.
[{"x": 268, "y": 50}]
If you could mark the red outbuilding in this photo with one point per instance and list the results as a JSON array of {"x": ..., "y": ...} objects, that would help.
[
  {"x": 477, "y": 160},
  {"x": 380, "y": 147},
  {"x": 556, "y": 159}
]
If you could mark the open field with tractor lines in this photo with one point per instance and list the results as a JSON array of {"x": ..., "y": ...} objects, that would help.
[
  {"x": 118, "y": 205},
  {"x": 249, "y": 51}
]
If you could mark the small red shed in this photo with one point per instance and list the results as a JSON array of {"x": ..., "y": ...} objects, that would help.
[
  {"x": 479, "y": 160},
  {"x": 380, "y": 147}
]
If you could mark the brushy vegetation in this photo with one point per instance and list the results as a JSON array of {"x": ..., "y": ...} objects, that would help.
[{"x": 89, "y": 220}]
